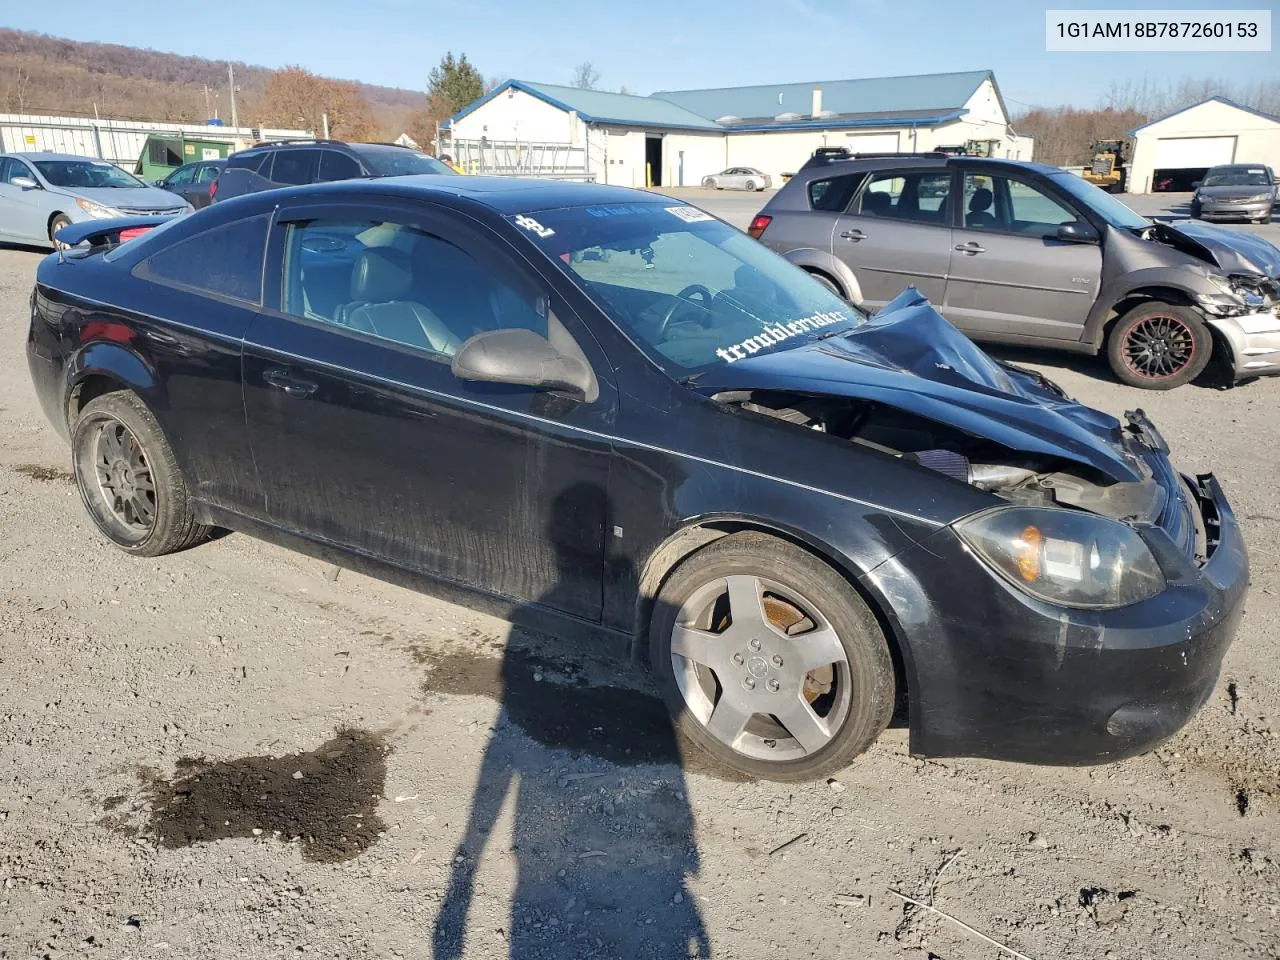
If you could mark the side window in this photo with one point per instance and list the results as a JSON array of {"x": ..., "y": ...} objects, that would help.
[
  {"x": 225, "y": 260},
  {"x": 181, "y": 175},
  {"x": 208, "y": 173},
  {"x": 337, "y": 166},
  {"x": 399, "y": 283},
  {"x": 834, "y": 193},
  {"x": 1011, "y": 206},
  {"x": 7, "y": 170},
  {"x": 295, "y": 166},
  {"x": 910, "y": 196}
]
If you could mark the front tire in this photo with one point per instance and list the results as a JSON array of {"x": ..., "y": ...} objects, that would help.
[
  {"x": 1159, "y": 346},
  {"x": 57, "y": 223},
  {"x": 129, "y": 480},
  {"x": 769, "y": 660}
]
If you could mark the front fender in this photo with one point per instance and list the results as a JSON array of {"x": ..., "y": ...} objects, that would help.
[
  {"x": 1188, "y": 282},
  {"x": 812, "y": 258}
]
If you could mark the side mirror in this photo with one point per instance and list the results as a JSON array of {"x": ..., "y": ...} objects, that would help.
[
  {"x": 1077, "y": 232},
  {"x": 26, "y": 183},
  {"x": 1195, "y": 184},
  {"x": 524, "y": 358}
]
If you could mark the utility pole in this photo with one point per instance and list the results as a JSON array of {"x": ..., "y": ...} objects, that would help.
[{"x": 231, "y": 82}]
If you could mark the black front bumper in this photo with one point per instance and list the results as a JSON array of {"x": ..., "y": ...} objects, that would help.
[{"x": 995, "y": 673}]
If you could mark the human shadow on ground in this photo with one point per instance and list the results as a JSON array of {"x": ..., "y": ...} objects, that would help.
[{"x": 603, "y": 839}]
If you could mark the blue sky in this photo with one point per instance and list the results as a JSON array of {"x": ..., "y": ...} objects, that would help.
[{"x": 651, "y": 45}]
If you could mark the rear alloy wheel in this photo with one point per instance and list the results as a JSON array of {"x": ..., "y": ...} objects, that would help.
[
  {"x": 129, "y": 479},
  {"x": 769, "y": 660},
  {"x": 1159, "y": 346},
  {"x": 751, "y": 185},
  {"x": 708, "y": 183}
]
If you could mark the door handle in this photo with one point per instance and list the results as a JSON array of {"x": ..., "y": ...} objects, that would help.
[
  {"x": 855, "y": 235},
  {"x": 972, "y": 248},
  {"x": 291, "y": 385}
]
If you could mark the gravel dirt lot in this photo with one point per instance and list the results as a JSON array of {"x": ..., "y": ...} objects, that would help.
[{"x": 236, "y": 752}]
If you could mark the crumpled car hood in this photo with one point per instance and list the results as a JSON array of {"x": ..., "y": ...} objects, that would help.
[
  {"x": 909, "y": 357},
  {"x": 1234, "y": 251}
]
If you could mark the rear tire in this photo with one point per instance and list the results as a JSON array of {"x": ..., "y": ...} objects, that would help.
[
  {"x": 1159, "y": 346},
  {"x": 129, "y": 479},
  {"x": 800, "y": 680},
  {"x": 708, "y": 183},
  {"x": 751, "y": 185}
]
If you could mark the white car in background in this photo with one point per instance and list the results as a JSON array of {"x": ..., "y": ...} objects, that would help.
[
  {"x": 738, "y": 178},
  {"x": 40, "y": 193}
]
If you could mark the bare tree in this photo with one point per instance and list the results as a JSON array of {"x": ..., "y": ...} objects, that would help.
[{"x": 586, "y": 76}]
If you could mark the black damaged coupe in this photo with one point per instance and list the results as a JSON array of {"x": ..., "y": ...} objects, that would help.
[{"x": 606, "y": 405}]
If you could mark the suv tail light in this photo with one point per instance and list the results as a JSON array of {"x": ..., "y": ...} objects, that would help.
[
  {"x": 213, "y": 190},
  {"x": 758, "y": 226}
]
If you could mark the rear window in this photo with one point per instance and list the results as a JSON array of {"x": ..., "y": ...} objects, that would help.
[
  {"x": 246, "y": 161},
  {"x": 834, "y": 193},
  {"x": 225, "y": 261}
]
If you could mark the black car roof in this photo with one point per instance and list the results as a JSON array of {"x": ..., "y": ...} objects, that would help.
[{"x": 504, "y": 195}]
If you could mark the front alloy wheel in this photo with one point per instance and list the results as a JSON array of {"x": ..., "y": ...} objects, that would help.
[
  {"x": 1159, "y": 346},
  {"x": 769, "y": 660}
]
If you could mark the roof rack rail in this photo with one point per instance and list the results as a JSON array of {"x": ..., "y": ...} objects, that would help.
[
  {"x": 827, "y": 155},
  {"x": 291, "y": 140}
]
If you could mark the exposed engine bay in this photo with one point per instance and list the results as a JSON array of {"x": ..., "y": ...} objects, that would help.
[{"x": 1019, "y": 477}]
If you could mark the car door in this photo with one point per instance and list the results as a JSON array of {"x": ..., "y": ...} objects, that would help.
[
  {"x": 1010, "y": 276},
  {"x": 23, "y": 216},
  {"x": 199, "y": 196},
  {"x": 181, "y": 180},
  {"x": 896, "y": 232},
  {"x": 364, "y": 438}
]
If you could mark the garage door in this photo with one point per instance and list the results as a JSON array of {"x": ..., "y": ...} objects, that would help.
[
  {"x": 1173, "y": 152},
  {"x": 873, "y": 142}
]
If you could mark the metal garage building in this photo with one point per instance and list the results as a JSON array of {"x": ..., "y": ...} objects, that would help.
[
  {"x": 676, "y": 137},
  {"x": 1174, "y": 151}
]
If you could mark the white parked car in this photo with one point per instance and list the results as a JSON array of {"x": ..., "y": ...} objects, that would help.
[
  {"x": 40, "y": 193},
  {"x": 738, "y": 178}
]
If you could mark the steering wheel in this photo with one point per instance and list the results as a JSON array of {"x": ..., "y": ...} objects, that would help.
[{"x": 683, "y": 299}]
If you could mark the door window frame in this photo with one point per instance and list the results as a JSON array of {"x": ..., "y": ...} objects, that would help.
[
  {"x": 439, "y": 222},
  {"x": 854, "y": 208},
  {"x": 1040, "y": 185}
]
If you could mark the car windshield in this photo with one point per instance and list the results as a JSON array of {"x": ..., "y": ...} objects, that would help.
[
  {"x": 1100, "y": 202},
  {"x": 399, "y": 162},
  {"x": 689, "y": 290},
  {"x": 1237, "y": 177},
  {"x": 85, "y": 173}
]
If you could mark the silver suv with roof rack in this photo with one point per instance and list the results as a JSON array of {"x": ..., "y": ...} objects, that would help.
[{"x": 1023, "y": 253}]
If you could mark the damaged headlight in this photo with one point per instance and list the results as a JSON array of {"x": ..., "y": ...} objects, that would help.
[
  {"x": 1065, "y": 557},
  {"x": 1231, "y": 296}
]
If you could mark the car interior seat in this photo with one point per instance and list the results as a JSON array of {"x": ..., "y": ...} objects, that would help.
[
  {"x": 980, "y": 209},
  {"x": 380, "y": 279},
  {"x": 877, "y": 203}
]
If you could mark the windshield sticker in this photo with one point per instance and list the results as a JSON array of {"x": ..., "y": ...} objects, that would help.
[
  {"x": 533, "y": 226},
  {"x": 690, "y": 214},
  {"x": 777, "y": 333}
]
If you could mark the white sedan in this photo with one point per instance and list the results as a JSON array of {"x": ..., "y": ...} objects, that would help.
[{"x": 738, "y": 178}]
